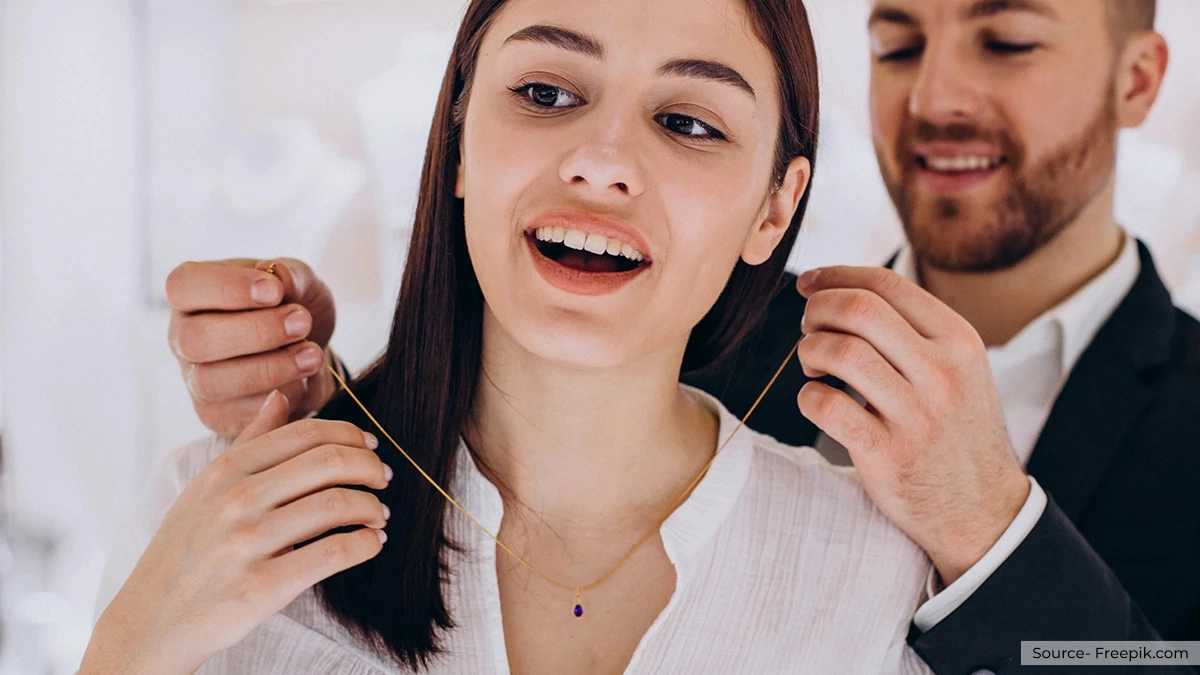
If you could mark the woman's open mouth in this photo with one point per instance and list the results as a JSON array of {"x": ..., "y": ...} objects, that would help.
[
  {"x": 584, "y": 264},
  {"x": 586, "y": 252}
]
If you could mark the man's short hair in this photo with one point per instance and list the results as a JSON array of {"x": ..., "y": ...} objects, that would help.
[{"x": 1126, "y": 17}]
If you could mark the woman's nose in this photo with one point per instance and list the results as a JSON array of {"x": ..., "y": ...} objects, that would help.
[{"x": 606, "y": 163}]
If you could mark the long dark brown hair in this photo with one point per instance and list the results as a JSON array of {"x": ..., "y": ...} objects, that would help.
[{"x": 421, "y": 389}]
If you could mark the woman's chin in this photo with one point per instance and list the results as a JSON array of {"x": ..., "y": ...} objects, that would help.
[
  {"x": 574, "y": 340},
  {"x": 583, "y": 352}
]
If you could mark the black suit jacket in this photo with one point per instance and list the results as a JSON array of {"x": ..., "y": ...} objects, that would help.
[{"x": 1116, "y": 555}]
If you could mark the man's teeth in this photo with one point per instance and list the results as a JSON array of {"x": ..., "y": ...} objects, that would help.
[
  {"x": 965, "y": 163},
  {"x": 592, "y": 243}
]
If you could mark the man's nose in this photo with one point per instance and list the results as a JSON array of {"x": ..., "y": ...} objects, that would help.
[
  {"x": 945, "y": 90},
  {"x": 606, "y": 162}
]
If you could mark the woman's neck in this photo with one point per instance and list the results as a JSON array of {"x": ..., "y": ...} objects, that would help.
[{"x": 597, "y": 448}]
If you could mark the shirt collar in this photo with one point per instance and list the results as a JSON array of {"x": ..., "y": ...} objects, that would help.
[{"x": 1077, "y": 319}]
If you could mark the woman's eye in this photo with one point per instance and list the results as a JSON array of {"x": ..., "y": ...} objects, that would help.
[
  {"x": 689, "y": 126},
  {"x": 1007, "y": 48},
  {"x": 545, "y": 95}
]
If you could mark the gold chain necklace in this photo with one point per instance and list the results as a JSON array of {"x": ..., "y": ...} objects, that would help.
[{"x": 577, "y": 591}]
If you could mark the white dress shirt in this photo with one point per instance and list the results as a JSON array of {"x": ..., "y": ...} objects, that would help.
[
  {"x": 1030, "y": 371},
  {"x": 783, "y": 565}
]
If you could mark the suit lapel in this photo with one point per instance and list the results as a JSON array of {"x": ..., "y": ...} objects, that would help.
[{"x": 1104, "y": 394}]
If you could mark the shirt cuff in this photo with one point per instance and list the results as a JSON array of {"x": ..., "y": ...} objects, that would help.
[{"x": 941, "y": 604}]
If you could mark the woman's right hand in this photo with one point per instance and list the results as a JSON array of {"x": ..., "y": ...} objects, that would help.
[{"x": 223, "y": 559}]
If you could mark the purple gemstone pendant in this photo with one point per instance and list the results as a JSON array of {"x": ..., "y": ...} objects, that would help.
[{"x": 578, "y": 606}]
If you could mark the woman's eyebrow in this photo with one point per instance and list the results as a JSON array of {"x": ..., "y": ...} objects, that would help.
[
  {"x": 579, "y": 43},
  {"x": 707, "y": 70},
  {"x": 561, "y": 38}
]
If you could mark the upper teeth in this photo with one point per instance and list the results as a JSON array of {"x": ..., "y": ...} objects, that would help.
[
  {"x": 974, "y": 163},
  {"x": 592, "y": 243}
]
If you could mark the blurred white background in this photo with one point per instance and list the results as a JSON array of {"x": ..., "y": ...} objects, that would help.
[{"x": 137, "y": 134}]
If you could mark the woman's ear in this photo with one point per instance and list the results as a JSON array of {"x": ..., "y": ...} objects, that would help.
[{"x": 778, "y": 212}]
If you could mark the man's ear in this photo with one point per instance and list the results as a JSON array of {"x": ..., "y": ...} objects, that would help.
[
  {"x": 1140, "y": 72},
  {"x": 778, "y": 212}
]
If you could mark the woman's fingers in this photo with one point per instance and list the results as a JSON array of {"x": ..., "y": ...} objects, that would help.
[
  {"x": 317, "y": 469},
  {"x": 309, "y": 517},
  {"x": 279, "y": 445},
  {"x": 272, "y": 415},
  {"x": 312, "y": 563}
]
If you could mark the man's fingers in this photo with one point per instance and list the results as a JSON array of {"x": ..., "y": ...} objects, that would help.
[
  {"x": 227, "y": 285},
  {"x": 217, "y": 336},
  {"x": 272, "y": 415},
  {"x": 860, "y": 312},
  {"x": 317, "y": 469},
  {"x": 252, "y": 375},
  {"x": 842, "y": 418},
  {"x": 928, "y": 315},
  {"x": 301, "y": 285},
  {"x": 854, "y": 361},
  {"x": 312, "y": 563}
]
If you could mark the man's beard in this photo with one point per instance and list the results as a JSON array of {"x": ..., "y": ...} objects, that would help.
[{"x": 1042, "y": 199}]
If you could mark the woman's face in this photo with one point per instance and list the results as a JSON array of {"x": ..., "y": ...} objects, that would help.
[{"x": 636, "y": 138}]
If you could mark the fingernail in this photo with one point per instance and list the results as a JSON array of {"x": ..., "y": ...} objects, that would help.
[
  {"x": 297, "y": 323},
  {"x": 387, "y": 473},
  {"x": 387, "y": 513},
  {"x": 308, "y": 359},
  {"x": 808, "y": 278},
  {"x": 265, "y": 292},
  {"x": 372, "y": 442},
  {"x": 267, "y": 402},
  {"x": 382, "y": 536}
]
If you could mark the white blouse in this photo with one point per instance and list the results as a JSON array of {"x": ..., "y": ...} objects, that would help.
[{"x": 783, "y": 565}]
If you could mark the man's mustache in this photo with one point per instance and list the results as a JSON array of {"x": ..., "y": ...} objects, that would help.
[
  {"x": 924, "y": 131},
  {"x": 928, "y": 132}
]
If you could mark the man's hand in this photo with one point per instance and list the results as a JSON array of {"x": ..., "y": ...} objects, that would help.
[
  {"x": 930, "y": 445},
  {"x": 240, "y": 332}
]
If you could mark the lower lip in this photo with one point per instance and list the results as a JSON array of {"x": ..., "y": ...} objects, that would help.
[
  {"x": 956, "y": 181},
  {"x": 575, "y": 281}
]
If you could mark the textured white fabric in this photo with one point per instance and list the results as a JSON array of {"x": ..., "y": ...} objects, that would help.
[{"x": 783, "y": 565}]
